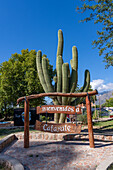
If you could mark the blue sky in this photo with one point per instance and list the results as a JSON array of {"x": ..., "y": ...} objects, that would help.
[{"x": 34, "y": 25}]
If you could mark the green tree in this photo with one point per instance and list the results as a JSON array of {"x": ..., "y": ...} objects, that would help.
[
  {"x": 18, "y": 77},
  {"x": 108, "y": 103},
  {"x": 101, "y": 11}
]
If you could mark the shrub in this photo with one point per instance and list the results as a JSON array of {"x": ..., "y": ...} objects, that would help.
[
  {"x": 95, "y": 116},
  {"x": 83, "y": 119},
  {"x": 43, "y": 118}
]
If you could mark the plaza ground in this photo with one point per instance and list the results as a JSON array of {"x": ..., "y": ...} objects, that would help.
[{"x": 58, "y": 155}]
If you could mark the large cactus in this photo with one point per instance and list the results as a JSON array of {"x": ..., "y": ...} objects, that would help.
[{"x": 64, "y": 81}]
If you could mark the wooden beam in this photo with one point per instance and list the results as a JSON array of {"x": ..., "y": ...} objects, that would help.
[
  {"x": 26, "y": 123},
  {"x": 89, "y": 119},
  {"x": 82, "y": 94}
]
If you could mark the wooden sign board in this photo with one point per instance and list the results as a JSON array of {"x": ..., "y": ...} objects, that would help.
[
  {"x": 58, "y": 109},
  {"x": 57, "y": 128}
]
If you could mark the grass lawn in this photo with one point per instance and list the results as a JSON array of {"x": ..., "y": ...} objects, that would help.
[
  {"x": 5, "y": 132},
  {"x": 106, "y": 125},
  {"x": 103, "y": 127},
  {"x": 105, "y": 116}
]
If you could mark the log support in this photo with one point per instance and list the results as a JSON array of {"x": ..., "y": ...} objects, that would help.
[
  {"x": 89, "y": 120},
  {"x": 26, "y": 123}
]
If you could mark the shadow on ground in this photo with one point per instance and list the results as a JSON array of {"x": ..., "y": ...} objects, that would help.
[
  {"x": 52, "y": 155},
  {"x": 43, "y": 154}
]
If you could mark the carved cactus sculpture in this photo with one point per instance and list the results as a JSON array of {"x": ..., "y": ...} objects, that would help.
[{"x": 64, "y": 81}]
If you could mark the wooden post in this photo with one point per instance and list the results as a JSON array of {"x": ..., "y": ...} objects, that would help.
[
  {"x": 89, "y": 119},
  {"x": 26, "y": 123}
]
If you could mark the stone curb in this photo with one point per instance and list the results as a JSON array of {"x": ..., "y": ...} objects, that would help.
[
  {"x": 7, "y": 141},
  {"x": 105, "y": 164},
  {"x": 11, "y": 162},
  {"x": 51, "y": 136},
  {"x": 63, "y": 136}
]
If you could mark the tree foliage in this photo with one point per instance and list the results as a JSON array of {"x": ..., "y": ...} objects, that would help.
[
  {"x": 18, "y": 77},
  {"x": 101, "y": 11},
  {"x": 108, "y": 103}
]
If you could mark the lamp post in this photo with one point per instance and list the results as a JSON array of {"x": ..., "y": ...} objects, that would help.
[
  {"x": 95, "y": 105},
  {"x": 99, "y": 106}
]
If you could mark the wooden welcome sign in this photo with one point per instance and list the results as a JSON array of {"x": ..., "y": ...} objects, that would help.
[
  {"x": 58, "y": 109},
  {"x": 58, "y": 128},
  {"x": 65, "y": 128}
]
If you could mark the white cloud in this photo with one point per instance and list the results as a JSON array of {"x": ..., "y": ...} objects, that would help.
[{"x": 101, "y": 86}]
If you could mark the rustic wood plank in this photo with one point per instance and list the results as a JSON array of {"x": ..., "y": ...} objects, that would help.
[
  {"x": 57, "y": 128},
  {"x": 58, "y": 109}
]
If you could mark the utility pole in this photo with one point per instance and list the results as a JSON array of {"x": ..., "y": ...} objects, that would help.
[
  {"x": 95, "y": 105},
  {"x": 99, "y": 105}
]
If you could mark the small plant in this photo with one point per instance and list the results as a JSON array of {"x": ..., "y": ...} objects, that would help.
[
  {"x": 95, "y": 115},
  {"x": 110, "y": 167},
  {"x": 1, "y": 167},
  {"x": 104, "y": 114},
  {"x": 83, "y": 119},
  {"x": 43, "y": 118}
]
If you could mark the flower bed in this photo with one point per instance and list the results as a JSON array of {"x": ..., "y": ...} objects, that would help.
[{"x": 5, "y": 124}]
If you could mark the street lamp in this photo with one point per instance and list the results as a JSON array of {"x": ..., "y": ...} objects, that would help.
[{"x": 99, "y": 105}]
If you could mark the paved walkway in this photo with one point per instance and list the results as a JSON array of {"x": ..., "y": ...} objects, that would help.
[{"x": 58, "y": 155}]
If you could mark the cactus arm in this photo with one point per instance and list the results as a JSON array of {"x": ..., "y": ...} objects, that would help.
[
  {"x": 86, "y": 81},
  {"x": 50, "y": 87},
  {"x": 65, "y": 81},
  {"x": 84, "y": 88},
  {"x": 59, "y": 76},
  {"x": 65, "y": 88},
  {"x": 46, "y": 74},
  {"x": 74, "y": 74},
  {"x": 59, "y": 48},
  {"x": 40, "y": 71},
  {"x": 59, "y": 62},
  {"x": 60, "y": 43}
]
